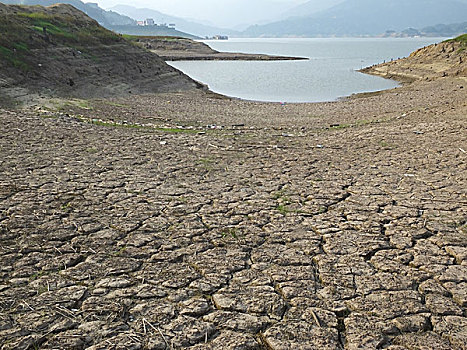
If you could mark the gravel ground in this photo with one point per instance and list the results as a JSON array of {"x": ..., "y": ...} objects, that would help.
[{"x": 189, "y": 220}]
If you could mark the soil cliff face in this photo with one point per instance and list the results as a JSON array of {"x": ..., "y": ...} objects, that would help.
[
  {"x": 448, "y": 58},
  {"x": 60, "y": 51}
]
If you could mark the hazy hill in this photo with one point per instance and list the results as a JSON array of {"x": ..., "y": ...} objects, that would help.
[
  {"x": 181, "y": 24},
  {"x": 60, "y": 51},
  {"x": 446, "y": 30},
  {"x": 310, "y": 7},
  {"x": 367, "y": 17},
  {"x": 232, "y": 14},
  {"x": 438, "y": 30}
]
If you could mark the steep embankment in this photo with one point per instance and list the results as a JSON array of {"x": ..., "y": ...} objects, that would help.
[
  {"x": 448, "y": 58},
  {"x": 59, "y": 51}
]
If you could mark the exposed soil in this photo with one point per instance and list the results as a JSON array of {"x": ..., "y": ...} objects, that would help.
[
  {"x": 190, "y": 220},
  {"x": 431, "y": 62}
]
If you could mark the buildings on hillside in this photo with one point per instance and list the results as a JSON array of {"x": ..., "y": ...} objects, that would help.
[{"x": 151, "y": 22}]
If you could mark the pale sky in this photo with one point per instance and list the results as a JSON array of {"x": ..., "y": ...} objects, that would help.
[{"x": 228, "y": 13}]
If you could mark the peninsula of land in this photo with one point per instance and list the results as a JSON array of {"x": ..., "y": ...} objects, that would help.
[{"x": 181, "y": 49}]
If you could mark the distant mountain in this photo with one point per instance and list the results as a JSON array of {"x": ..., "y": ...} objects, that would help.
[
  {"x": 310, "y": 7},
  {"x": 231, "y": 14},
  {"x": 366, "y": 17},
  {"x": 103, "y": 17},
  {"x": 446, "y": 30},
  {"x": 180, "y": 23},
  {"x": 438, "y": 30}
]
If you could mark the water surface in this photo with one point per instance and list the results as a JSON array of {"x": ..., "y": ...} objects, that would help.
[{"x": 329, "y": 73}]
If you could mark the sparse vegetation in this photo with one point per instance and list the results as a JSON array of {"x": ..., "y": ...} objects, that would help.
[
  {"x": 23, "y": 31},
  {"x": 179, "y": 130},
  {"x": 230, "y": 232},
  {"x": 462, "y": 39},
  {"x": 340, "y": 126},
  {"x": 14, "y": 57},
  {"x": 386, "y": 145},
  {"x": 206, "y": 162}
]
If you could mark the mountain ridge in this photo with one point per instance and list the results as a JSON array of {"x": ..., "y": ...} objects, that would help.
[{"x": 366, "y": 17}]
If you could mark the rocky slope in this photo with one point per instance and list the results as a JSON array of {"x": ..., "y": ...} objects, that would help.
[
  {"x": 59, "y": 51},
  {"x": 448, "y": 58}
]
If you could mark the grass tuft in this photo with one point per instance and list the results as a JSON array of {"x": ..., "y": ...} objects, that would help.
[{"x": 460, "y": 39}]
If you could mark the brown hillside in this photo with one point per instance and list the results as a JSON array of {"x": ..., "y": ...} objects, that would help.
[
  {"x": 448, "y": 58},
  {"x": 59, "y": 51}
]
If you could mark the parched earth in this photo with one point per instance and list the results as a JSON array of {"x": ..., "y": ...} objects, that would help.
[{"x": 189, "y": 220}]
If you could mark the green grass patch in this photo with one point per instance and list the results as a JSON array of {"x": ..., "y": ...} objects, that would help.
[
  {"x": 462, "y": 39},
  {"x": 340, "y": 126},
  {"x": 178, "y": 130},
  {"x": 130, "y": 37},
  {"x": 282, "y": 208},
  {"x": 58, "y": 30},
  {"x": 206, "y": 161},
  {"x": 230, "y": 232},
  {"x": 14, "y": 58},
  {"x": 386, "y": 145},
  {"x": 35, "y": 15},
  {"x": 67, "y": 29},
  {"x": 21, "y": 46}
]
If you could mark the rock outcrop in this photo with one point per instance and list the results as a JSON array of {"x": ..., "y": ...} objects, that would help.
[{"x": 448, "y": 58}]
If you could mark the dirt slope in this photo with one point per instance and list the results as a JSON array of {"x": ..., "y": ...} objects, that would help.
[
  {"x": 448, "y": 58},
  {"x": 60, "y": 51}
]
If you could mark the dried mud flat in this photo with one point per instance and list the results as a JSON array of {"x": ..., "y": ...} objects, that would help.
[{"x": 191, "y": 221}]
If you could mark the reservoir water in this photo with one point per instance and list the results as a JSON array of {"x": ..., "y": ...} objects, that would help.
[{"x": 329, "y": 73}]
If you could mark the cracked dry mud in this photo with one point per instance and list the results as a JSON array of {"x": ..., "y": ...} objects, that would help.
[{"x": 138, "y": 224}]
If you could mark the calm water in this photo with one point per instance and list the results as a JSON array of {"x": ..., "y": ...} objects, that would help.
[{"x": 329, "y": 73}]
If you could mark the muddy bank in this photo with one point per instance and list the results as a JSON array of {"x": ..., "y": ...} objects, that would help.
[{"x": 429, "y": 63}]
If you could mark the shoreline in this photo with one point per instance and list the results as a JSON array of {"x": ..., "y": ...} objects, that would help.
[
  {"x": 223, "y": 56},
  {"x": 189, "y": 220},
  {"x": 181, "y": 49}
]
